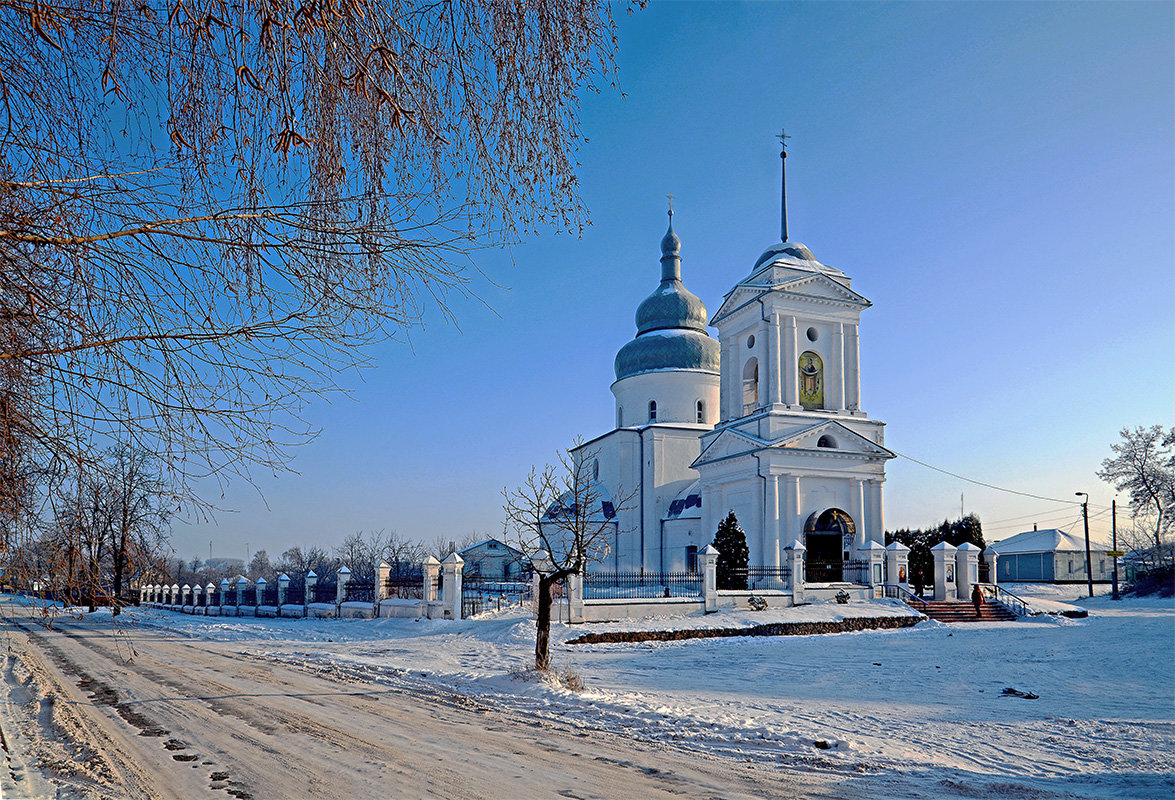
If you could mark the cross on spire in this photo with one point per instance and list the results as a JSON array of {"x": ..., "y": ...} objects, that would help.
[
  {"x": 783, "y": 137},
  {"x": 670, "y": 197}
]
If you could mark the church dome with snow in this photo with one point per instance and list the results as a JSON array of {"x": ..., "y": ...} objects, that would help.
[{"x": 671, "y": 324}]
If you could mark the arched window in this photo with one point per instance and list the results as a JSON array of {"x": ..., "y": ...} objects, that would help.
[
  {"x": 619, "y": 416},
  {"x": 750, "y": 386},
  {"x": 595, "y": 469},
  {"x": 652, "y": 411},
  {"x": 826, "y": 441},
  {"x": 701, "y": 412},
  {"x": 811, "y": 368}
]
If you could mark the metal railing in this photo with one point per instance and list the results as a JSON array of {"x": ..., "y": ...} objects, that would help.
[
  {"x": 359, "y": 592},
  {"x": 769, "y": 578},
  {"x": 324, "y": 593},
  {"x": 896, "y": 592},
  {"x": 621, "y": 585},
  {"x": 856, "y": 572},
  {"x": 404, "y": 587},
  {"x": 269, "y": 596},
  {"x": 296, "y": 595},
  {"x": 1017, "y": 605}
]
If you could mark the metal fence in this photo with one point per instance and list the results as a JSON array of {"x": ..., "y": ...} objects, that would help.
[
  {"x": 621, "y": 585},
  {"x": 359, "y": 592},
  {"x": 324, "y": 593},
  {"x": 769, "y": 578},
  {"x": 269, "y": 596},
  {"x": 405, "y": 587},
  {"x": 296, "y": 595},
  {"x": 480, "y": 594},
  {"x": 856, "y": 572}
]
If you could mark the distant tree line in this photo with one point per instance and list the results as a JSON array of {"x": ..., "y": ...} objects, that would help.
[{"x": 919, "y": 540}]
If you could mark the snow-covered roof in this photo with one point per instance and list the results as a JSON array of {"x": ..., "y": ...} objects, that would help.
[{"x": 1045, "y": 541}]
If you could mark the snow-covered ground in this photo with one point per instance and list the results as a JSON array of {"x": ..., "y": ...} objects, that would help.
[{"x": 925, "y": 701}]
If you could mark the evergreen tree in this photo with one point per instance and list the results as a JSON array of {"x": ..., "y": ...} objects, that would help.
[{"x": 733, "y": 554}]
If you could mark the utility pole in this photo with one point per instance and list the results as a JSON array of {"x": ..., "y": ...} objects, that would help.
[
  {"x": 1114, "y": 523},
  {"x": 1088, "y": 557}
]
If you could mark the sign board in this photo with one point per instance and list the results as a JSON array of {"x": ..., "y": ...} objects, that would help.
[{"x": 1115, "y": 553}]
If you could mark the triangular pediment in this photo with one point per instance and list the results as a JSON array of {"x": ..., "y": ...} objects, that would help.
[
  {"x": 821, "y": 287},
  {"x": 727, "y": 444},
  {"x": 810, "y": 287},
  {"x": 846, "y": 441}
]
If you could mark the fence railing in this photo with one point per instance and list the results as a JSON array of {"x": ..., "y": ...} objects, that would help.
[
  {"x": 359, "y": 592},
  {"x": 269, "y": 596},
  {"x": 480, "y": 594},
  {"x": 855, "y": 572},
  {"x": 405, "y": 587},
  {"x": 296, "y": 595},
  {"x": 324, "y": 593},
  {"x": 769, "y": 578},
  {"x": 1017, "y": 605},
  {"x": 896, "y": 592},
  {"x": 622, "y": 585}
]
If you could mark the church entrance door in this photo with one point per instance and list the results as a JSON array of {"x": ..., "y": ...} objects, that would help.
[
  {"x": 824, "y": 563},
  {"x": 828, "y": 536}
]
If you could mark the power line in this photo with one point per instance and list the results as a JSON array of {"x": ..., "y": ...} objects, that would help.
[{"x": 980, "y": 483}]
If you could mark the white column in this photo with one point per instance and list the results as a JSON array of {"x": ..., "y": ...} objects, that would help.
[
  {"x": 876, "y": 512},
  {"x": 775, "y": 362},
  {"x": 769, "y": 554},
  {"x": 795, "y": 523},
  {"x": 764, "y": 354},
  {"x": 835, "y": 374},
  {"x": 791, "y": 389},
  {"x": 857, "y": 510},
  {"x": 731, "y": 383},
  {"x": 852, "y": 369}
]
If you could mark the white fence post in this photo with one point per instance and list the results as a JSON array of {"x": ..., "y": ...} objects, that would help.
[
  {"x": 993, "y": 559},
  {"x": 967, "y": 569},
  {"x": 308, "y": 597},
  {"x": 708, "y": 561},
  {"x": 185, "y": 592},
  {"x": 283, "y": 588},
  {"x": 944, "y": 572},
  {"x": 195, "y": 597},
  {"x": 897, "y": 565},
  {"x": 795, "y": 559},
  {"x": 208, "y": 590},
  {"x": 261, "y": 583},
  {"x": 382, "y": 573},
  {"x": 242, "y": 582},
  {"x": 343, "y": 576},
  {"x": 175, "y": 594},
  {"x": 429, "y": 570},
  {"x": 223, "y": 594},
  {"x": 575, "y": 598},
  {"x": 451, "y": 574}
]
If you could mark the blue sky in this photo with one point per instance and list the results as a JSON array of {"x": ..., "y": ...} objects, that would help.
[{"x": 998, "y": 178}]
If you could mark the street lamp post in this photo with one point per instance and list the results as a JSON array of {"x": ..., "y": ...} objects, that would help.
[
  {"x": 1114, "y": 523},
  {"x": 1088, "y": 557}
]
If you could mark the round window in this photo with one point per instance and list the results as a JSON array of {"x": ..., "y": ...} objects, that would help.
[
  {"x": 813, "y": 334},
  {"x": 750, "y": 342}
]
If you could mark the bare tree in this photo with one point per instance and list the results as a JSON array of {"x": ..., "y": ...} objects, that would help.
[
  {"x": 204, "y": 213},
  {"x": 1143, "y": 465},
  {"x": 562, "y": 512}
]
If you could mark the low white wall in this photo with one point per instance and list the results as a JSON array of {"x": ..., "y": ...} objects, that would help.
[
  {"x": 830, "y": 592},
  {"x": 737, "y": 598},
  {"x": 320, "y": 610},
  {"x": 399, "y": 607},
  {"x": 292, "y": 610},
  {"x": 639, "y": 608},
  {"x": 356, "y": 611}
]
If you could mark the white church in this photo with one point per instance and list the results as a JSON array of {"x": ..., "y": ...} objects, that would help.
[{"x": 764, "y": 419}]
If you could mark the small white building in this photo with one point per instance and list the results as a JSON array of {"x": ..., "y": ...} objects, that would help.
[
  {"x": 1050, "y": 556},
  {"x": 494, "y": 560}
]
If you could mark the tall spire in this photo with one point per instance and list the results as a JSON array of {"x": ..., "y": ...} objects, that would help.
[
  {"x": 783, "y": 137},
  {"x": 670, "y": 251}
]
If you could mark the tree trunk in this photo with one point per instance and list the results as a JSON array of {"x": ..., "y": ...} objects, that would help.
[{"x": 542, "y": 638}]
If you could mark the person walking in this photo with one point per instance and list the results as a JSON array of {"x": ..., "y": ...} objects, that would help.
[{"x": 977, "y": 599}]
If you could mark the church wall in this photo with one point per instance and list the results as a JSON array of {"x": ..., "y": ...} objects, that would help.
[{"x": 676, "y": 392}]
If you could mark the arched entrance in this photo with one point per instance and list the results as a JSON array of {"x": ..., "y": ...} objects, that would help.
[{"x": 828, "y": 538}]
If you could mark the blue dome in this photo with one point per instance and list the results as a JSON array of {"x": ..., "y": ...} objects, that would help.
[
  {"x": 677, "y": 349},
  {"x": 670, "y": 324},
  {"x": 671, "y": 305},
  {"x": 789, "y": 250}
]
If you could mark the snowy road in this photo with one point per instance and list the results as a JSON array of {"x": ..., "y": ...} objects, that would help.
[
  {"x": 188, "y": 719},
  {"x": 417, "y": 708}
]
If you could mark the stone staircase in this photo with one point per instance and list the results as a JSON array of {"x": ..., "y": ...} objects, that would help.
[{"x": 961, "y": 611}]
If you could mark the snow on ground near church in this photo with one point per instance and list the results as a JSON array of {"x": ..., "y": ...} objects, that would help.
[{"x": 925, "y": 701}]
